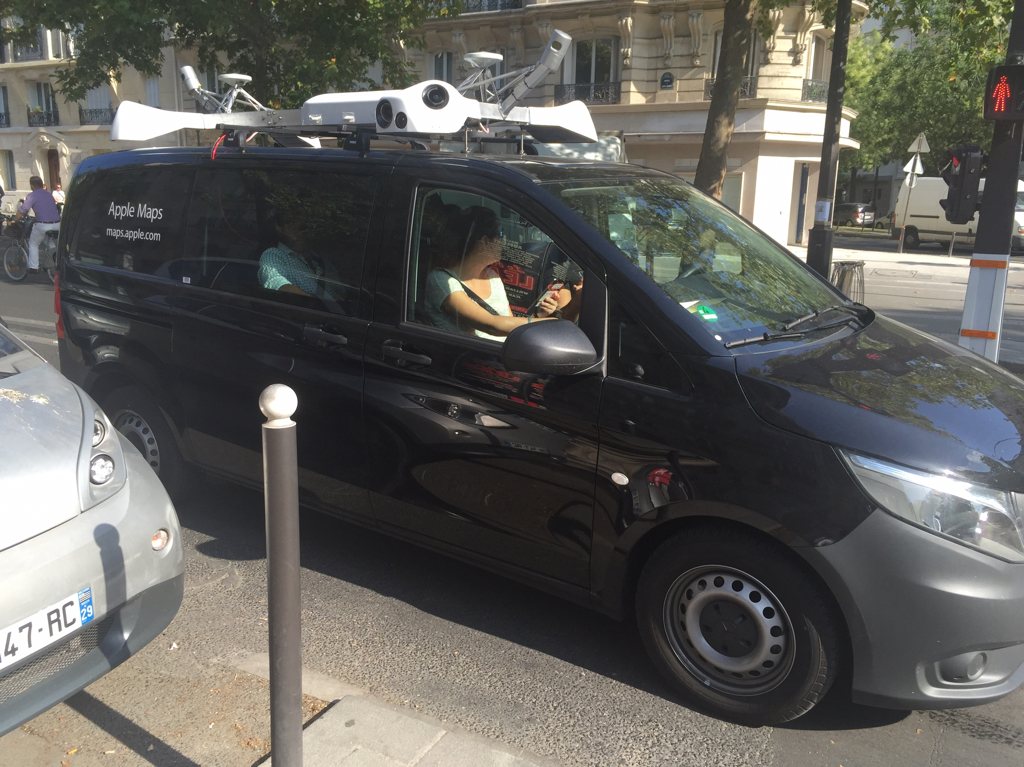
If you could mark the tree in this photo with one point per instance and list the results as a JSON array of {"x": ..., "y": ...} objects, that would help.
[
  {"x": 741, "y": 21},
  {"x": 292, "y": 48},
  {"x": 936, "y": 87},
  {"x": 980, "y": 22}
]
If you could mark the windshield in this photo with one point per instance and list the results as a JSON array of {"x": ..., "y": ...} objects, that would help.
[{"x": 703, "y": 256}]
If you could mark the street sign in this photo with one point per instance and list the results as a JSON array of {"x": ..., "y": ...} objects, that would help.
[
  {"x": 915, "y": 166},
  {"x": 920, "y": 145}
]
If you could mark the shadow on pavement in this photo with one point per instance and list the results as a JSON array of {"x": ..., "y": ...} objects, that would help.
[
  {"x": 139, "y": 740},
  {"x": 468, "y": 596},
  {"x": 452, "y": 590}
]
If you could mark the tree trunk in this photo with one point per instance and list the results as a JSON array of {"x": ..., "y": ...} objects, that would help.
[{"x": 722, "y": 111}]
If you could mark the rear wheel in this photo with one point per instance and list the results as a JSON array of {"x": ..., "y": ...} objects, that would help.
[
  {"x": 911, "y": 239},
  {"x": 138, "y": 417},
  {"x": 737, "y": 627},
  {"x": 16, "y": 262}
]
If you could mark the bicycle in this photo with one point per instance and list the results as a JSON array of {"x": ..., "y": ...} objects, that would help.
[{"x": 16, "y": 255}]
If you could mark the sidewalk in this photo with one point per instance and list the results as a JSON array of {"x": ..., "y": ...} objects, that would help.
[{"x": 357, "y": 730}]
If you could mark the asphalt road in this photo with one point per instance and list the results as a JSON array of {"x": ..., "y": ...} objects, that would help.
[{"x": 455, "y": 643}]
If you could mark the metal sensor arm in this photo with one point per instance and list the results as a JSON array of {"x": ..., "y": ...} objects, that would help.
[{"x": 550, "y": 60}]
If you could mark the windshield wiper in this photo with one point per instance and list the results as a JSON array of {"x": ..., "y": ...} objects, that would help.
[
  {"x": 818, "y": 312},
  {"x": 782, "y": 336}
]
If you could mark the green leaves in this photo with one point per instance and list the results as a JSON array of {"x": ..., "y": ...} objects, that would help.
[
  {"x": 936, "y": 87},
  {"x": 291, "y": 49}
]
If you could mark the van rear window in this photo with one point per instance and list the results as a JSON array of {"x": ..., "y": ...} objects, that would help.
[{"x": 132, "y": 219}]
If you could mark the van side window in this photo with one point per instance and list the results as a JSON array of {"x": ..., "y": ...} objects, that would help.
[
  {"x": 132, "y": 219},
  {"x": 634, "y": 354},
  {"x": 448, "y": 228},
  {"x": 292, "y": 236}
]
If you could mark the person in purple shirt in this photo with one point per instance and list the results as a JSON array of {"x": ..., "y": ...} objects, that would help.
[{"x": 40, "y": 202}]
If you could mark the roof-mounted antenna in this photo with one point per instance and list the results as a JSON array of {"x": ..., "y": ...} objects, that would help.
[{"x": 220, "y": 103}]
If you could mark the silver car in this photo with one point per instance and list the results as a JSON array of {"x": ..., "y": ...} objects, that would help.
[{"x": 91, "y": 557}]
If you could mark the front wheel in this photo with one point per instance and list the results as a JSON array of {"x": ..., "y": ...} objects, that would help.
[
  {"x": 16, "y": 262},
  {"x": 737, "y": 627}
]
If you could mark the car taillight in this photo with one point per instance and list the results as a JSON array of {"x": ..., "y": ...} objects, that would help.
[{"x": 56, "y": 304}]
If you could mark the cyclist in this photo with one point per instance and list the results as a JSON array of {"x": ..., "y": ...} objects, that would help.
[{"x": 40, "y": 202}]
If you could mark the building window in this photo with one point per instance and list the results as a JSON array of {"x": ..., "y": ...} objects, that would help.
[
  {"x": 98, "y": 98},
  {"x": 10, "y": 178},
  {"x": 153, "y": 91},
  {"x": 595, "y": 61},
  {"x": 750, "y": 59},
  {"x": 32, "y": 52},
  {"x": 40, "y": 97},
  {"x": 820, "y": 59},
  {"x": 443, "y": 67},
  {"x": 59, "y": 48}
]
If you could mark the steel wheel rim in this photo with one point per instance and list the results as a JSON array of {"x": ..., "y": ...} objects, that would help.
[
  {"x": 752, "y": 648},
  {"x": 139, "y": 433}
]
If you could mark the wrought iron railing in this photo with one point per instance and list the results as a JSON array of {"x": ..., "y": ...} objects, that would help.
[
  {"x": 35, "y": 52},
  {"x": 748, "y": 87},
  {"x": 103, "y": 116},
  {"x": 589, "y": 93},
  {"x": 5, "y": 119},
  {"x": 38, "y": 119},
  {"x": 815, "y": 90},
  {"x": 481, "y": 6}
]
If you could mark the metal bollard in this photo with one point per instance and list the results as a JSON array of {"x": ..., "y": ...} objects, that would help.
[
  {"x": 899, "y": 248},
  {"x": 952, "y": 241},
  {"x": 281, "y": 493}
]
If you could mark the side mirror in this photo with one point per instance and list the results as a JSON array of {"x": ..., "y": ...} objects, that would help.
[{"x": 551, "y": 347}]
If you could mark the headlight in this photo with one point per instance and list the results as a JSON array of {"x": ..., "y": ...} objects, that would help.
[
  {"x": 986, "y": 519},
  {"x": 99, "y": 431},
  {"x": 102, "y": 471}
]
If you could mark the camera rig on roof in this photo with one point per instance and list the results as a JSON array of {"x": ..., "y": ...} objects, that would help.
[{"x": 429, "y": 111}]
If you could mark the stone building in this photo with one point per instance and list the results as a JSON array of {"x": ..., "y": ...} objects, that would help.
[
  {"x": 648, "y": 70},
  {"x": 43, "y": 134}
]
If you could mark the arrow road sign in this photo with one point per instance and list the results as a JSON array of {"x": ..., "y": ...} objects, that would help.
[{"x": 915, "y": 166}]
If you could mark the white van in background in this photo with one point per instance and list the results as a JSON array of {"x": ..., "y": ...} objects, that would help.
[{"x": 926, "y": 218}]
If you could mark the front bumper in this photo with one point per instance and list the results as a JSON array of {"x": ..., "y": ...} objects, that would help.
[
  {"x": 136, "y": 591},
  {"x": 933, "y": 624}
]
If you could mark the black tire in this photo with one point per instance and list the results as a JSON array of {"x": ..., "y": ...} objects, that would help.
[
  {"x": 911, "y": 239},
  {"x": 760, "y": 644},
  {"x": 136, "y": 414}
]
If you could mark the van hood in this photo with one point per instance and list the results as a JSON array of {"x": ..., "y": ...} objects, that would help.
[
  {"x": 895, "y": 393},
  {"x": 41, "y": 426}
]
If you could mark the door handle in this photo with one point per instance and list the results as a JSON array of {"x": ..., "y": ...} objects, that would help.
[
  {"x": 393, "y": 350},
  {"x": 321, "y": 337}
]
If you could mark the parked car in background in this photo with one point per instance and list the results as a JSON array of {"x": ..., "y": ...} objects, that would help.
[
  {"x": 854, "y": 214},
  {"x": 885, "y": 221},
  {"x": 90, "y": 550}
]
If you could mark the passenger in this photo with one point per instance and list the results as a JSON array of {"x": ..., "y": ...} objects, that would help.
[
  {"x": 464, "y": 292},
  {"x": 289, "y": 266}
]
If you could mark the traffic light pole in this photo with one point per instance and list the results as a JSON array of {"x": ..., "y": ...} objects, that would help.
[
  {"x": 819, "y": 241},
  {"x": 986, "y": 286}
]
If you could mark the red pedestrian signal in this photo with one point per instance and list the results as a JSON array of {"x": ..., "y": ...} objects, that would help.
[{"x": 1003, "y": 94}]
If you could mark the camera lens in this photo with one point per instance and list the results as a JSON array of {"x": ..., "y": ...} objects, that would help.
[
  {"x": 401, "y": 121},
  {"x": 435, "y": 97},
  {"x": 385, "y": 114}
]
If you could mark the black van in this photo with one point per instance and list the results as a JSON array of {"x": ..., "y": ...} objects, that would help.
[{"x": 778, "y": 483}]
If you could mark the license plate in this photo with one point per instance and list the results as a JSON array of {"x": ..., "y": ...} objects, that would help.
[{"x": 25, "y": 638}]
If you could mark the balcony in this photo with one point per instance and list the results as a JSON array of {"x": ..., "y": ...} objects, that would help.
[
  {"x": 5, "y": 119},
  {"x": 748, "y": 87},
  {"x": 37, "y": 119},
  {"x": 482, "y": 6},
  {"x": 95, "y": 116},
  {"x": 815, "y": 90},
  {"x": 588, "y": 93}
]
